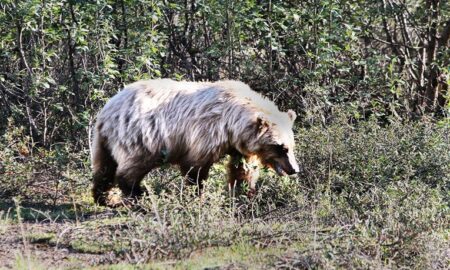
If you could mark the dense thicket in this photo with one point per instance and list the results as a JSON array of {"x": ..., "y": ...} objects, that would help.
[{"x": 60, "y": 60}]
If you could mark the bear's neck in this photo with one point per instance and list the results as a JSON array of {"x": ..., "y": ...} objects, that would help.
[{"x": 240, "y": 129}]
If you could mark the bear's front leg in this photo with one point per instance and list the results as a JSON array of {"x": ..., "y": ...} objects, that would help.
[
  {"x": 195, "y": 175},
  {"x": 242, "y": 169}
]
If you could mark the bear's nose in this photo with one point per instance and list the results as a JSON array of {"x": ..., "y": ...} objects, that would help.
[
  {"x": 292, "y": 171},
  {"x": 294, "y": 168}
]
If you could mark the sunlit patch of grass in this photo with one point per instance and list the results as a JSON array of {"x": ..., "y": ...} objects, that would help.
[
  {"x": 42, "y": 238},
  {"x": 239, "y": 256},
  {"x": 93, "y": 247}
]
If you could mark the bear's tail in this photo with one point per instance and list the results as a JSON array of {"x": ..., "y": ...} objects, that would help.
[{"x": 104, "y": 168}]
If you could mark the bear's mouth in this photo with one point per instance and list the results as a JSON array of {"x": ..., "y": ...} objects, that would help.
[
  {"x": 276, "y": 166},
  {"x": 279, "y": 170}
]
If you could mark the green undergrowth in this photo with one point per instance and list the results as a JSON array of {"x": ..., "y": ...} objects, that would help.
[{"x": 367, "y": 196}]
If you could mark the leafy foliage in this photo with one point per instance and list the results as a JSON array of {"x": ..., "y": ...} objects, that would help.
[{"x": 60, "y": 60}]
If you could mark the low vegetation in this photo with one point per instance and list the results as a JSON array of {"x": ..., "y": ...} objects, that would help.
[{"x": 368, "y": 196}]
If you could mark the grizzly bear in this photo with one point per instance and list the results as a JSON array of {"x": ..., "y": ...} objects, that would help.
[{"x": 191, "y": 125}]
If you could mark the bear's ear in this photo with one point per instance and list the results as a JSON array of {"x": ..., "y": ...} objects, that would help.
[
  {"x": 262, "y": 126},
  {"x": 292, "y": 115}
]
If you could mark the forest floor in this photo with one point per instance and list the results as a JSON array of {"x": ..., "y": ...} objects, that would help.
[{"x": 32, "y": 241}]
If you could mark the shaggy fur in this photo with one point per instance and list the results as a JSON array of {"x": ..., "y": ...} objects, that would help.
[{"x": 192, "y": 125}]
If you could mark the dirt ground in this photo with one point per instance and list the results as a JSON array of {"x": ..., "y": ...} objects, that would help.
[
  {"x": 37, "y": 243},
  {"x": 14, "y": 251}
]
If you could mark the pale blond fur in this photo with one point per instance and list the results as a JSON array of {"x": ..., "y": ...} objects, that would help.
[{"x": 190, "y": 124}]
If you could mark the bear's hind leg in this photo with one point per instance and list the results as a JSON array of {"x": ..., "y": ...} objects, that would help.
[
  {"x": 104, "y": 169},
  {"x": 103, "y": 182}
]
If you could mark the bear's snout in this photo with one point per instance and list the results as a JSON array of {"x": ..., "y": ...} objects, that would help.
[
  {"x": 286, "y": 165},
  {"x": 293, "y": 165},
  {"x": 292, "y": 170}
]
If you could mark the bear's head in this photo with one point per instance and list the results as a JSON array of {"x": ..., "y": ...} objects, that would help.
[{"x": 274, "y": 144}]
